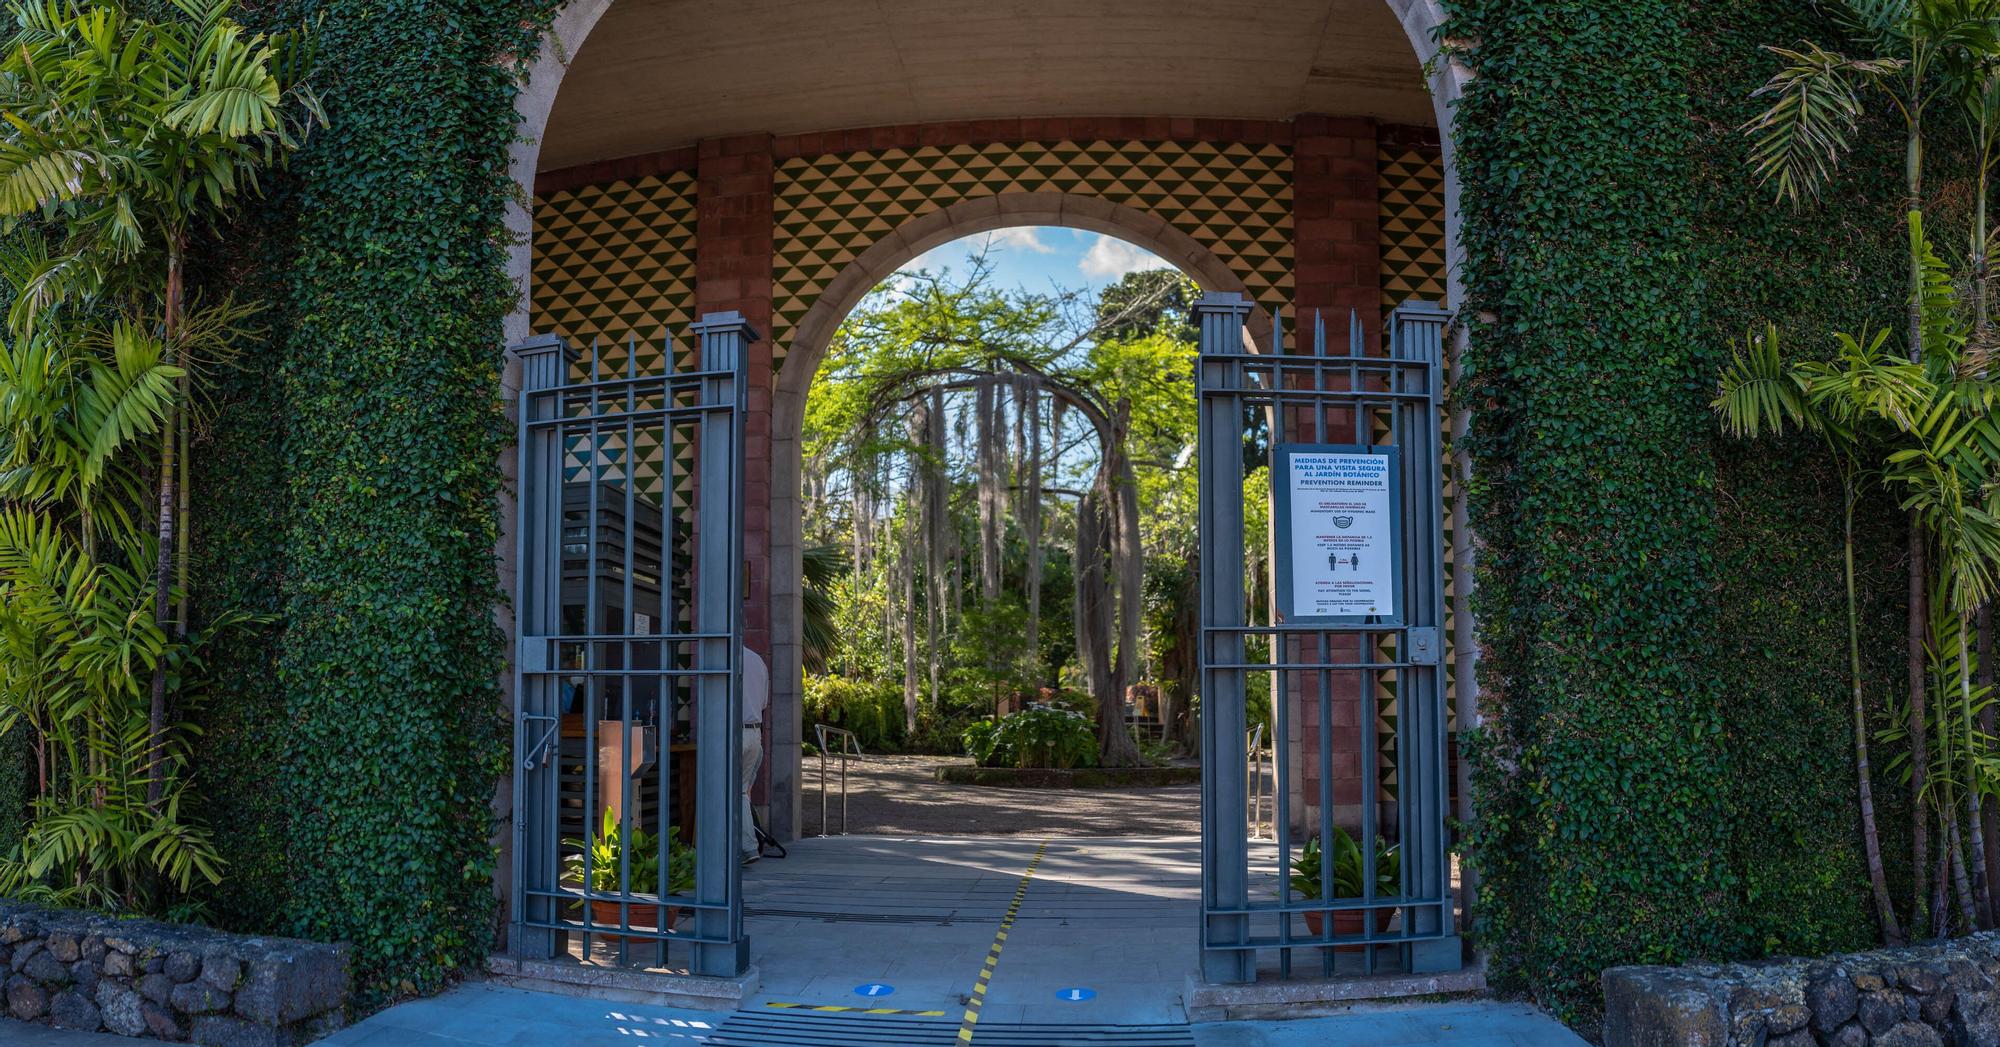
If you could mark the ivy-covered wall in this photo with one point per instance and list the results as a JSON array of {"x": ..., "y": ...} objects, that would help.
[
  {"x": 1667, "y": 768},
  {"x": 355, "y": 496}
]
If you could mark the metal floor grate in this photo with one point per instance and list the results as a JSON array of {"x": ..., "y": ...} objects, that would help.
[
  {"x": 944, "y": 919},
  {"x": 749, "y": 1029}
]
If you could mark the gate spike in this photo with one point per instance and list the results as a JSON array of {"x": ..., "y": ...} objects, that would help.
[{"x": 1356, "y": 346}]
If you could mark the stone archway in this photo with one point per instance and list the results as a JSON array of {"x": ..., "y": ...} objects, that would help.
[
  {"x": 808, "y": 347},
  {"x": 1422, "y": 22}
]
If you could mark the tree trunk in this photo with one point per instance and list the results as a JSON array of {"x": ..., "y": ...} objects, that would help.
[
  {"x": 1128, "y": 559},
  {"x": 1976, "y": 855},
  {"x": 991, "y": 425},
  {"x": 936, "y": 548},
  {"x": 1989, "y": 825},
  {"x": 913, "y": 528},
  {"x": 1919, "y": 727},
  {"x": 1885, "y": 911},
  {"x": 1919, "y": 609},
  {"x": 1031, "y": 522},
  {"x": 1940, "y": 896},
  {"x": 169, "y": 502},
  {"x": 1962, "y": 888},
  {"x": 1096, "y": 548}
]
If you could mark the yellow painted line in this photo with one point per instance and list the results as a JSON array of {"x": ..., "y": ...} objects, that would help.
[
  {"x": 822, "y": 1007},
  {"x": 972, "y": 1006}
]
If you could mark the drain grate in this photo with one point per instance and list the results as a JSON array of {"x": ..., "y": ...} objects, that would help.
[
  {"x": 750, "y": 1029},
  {"x": 936, "y": 919}
]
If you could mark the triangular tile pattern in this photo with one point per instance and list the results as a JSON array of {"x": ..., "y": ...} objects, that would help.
[
  {"x": 1410, "y": 191},
  {"x": 1235, "y": 199},
  {"x": 614, "y": 272},
  {"x": 614, "y": 264}
]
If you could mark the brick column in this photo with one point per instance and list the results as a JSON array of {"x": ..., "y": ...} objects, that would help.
[
  {"x": 733, "y": 246},
  {"x": 1337, "y": 259},
  {"x": 1336, "y": 219},
  {"x": 733, "y": 237}
]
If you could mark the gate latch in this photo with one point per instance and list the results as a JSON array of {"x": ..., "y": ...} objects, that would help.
[{"x": 1424, "y": 646}]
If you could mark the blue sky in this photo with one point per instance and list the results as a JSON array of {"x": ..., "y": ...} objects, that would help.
[{"x": 1040, "y": 258}]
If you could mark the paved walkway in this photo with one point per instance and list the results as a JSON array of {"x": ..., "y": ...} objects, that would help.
[
  {"x": 900, "y": 795},
  {"x": 487, "y": 1016},
  {"x": 481, "y": 1015},
  {"x": 1114, "y": 918},
  {"x": 1099, "y": 941}
]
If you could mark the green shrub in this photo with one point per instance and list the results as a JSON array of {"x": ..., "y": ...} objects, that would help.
[
  {"x": 941, "y": 733},
  {"x": 1039, "y": 736},
  {"x": 980, "y": 737},
  {"x": 872, "y": 709}
]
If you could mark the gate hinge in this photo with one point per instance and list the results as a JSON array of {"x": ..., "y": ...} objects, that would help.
[{"x": 1424, "y": 646}]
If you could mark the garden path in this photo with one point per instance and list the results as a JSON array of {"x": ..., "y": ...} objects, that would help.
[{"x": 900, "y": 796}]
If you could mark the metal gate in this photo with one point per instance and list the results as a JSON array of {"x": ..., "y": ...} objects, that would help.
[
  {"x": 1353, "y": 686},
  {"x": 628, "y": 704}
]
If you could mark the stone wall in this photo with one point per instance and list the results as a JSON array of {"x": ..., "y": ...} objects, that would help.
[
  {"x": 1943, "y": 994},
  {"x": 85, "y": 971}
]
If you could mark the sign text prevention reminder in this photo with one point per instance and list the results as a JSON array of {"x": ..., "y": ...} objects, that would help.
[{"x": 1338, "y": 523}]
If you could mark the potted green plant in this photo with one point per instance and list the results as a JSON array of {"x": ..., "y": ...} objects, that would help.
[
  {"x": 1347, "y": 880},
  {"x": 604, "y": 853}
]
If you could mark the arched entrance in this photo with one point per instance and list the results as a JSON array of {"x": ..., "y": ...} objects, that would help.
[
  {"x": 728, "y": 195},
  {"x": 809, "y": 342}
]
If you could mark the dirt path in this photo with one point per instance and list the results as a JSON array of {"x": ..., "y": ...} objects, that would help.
[{"x": 899, "y": 795}]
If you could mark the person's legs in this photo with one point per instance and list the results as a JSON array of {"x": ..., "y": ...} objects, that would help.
[{"x": 753, "y": 755}]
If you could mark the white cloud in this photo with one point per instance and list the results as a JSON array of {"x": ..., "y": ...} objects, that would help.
[
  {"x": 1110, "y": 258},
  {"x": 1024, "y": 237}
]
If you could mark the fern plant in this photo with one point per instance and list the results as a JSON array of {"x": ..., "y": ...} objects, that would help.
[{"x": 77, "y": 646}]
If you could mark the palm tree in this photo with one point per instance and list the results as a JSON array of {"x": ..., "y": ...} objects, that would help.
[
  {"x": 1802, "y": 137},
  {"x": 128, "y": 136},
  {"x": 1945, "y": 473},
  {"x": 821, "y": 566},
  {"x": 77, "y": 644},
  {"x": 1846, "y": 402}
]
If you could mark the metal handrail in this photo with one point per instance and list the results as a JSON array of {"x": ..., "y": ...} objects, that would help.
[
  {"x": 1255, "y": 759},
  {"x": 849, "y": 746}
]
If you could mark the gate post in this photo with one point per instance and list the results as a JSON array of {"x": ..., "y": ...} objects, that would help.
[
  {"x": 721, "y": 949},
  {"x": 1225, "y": 829},
  {"x": 1417, "y": 331},
  {"x": 545, "y": 363}
]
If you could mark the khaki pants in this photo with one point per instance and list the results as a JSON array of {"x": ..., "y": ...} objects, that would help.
[{"x": 753, "y": 756}]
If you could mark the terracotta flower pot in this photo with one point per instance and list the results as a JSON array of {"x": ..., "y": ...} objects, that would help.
[
  {"x": 1347, "y": 922},
  {"x": 643, "y": 916}
]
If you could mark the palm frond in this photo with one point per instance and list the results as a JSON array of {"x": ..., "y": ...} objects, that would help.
[
  {"x": 1816, "y": 106},
  {"x": 132, "y": 397},
  {"x": 1758, "y": 393}
]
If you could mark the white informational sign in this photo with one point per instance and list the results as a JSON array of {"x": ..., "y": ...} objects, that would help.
[{"x": 1341, "y": 535}]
